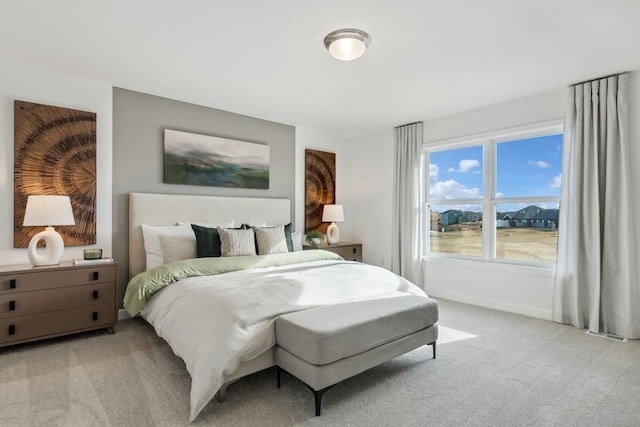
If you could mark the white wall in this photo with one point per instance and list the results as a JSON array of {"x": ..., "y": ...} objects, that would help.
[
  {"x": 371, "y": 186},
  {"x": 28, "y": 84}
]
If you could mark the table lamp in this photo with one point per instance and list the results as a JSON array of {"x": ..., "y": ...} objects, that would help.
[
  {"x": 333, "y": 214},
  {"x": 47, "y": 211}
]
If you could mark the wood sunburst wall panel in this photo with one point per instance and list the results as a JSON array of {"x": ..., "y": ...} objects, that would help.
[
  {"x": 55, "y": 154},
  {"x": 320, "y": 187}
]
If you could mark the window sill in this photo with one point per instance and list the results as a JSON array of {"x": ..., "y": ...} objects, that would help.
[{"x": 491, "y": 265}]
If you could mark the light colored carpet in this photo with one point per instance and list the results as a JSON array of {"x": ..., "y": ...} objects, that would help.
[{"x": 493, "y": 369}]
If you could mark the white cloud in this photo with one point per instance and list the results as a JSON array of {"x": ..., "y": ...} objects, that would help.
[
  {"x": 451, "y": 170},
  {"x": 451, "y": 189},
  {"x": 467, "y": 165},
  {"x": 557, "y": 181},
  {"x": 539, "y": 164},
  {"x": 499, "y": 195},
  {"x": 433, "y": 170}
]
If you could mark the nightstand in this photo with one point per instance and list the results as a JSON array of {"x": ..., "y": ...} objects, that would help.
[
  {"x": 45, "y": 302},
  {"x": 348, "y": 251}
]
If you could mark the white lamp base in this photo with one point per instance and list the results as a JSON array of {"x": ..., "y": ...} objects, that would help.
[
  {"x": 333, "y": 234},
  {"x": 54, "y": 248}
]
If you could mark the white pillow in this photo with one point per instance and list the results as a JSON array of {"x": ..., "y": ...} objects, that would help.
[
  {"x": 271, "y": 240},
  {"x": 296, "y": 238},
  {"x": 237, "y": 242},
  {"x": 153, "y": 247},
  {"x": 176, "y": 248}
]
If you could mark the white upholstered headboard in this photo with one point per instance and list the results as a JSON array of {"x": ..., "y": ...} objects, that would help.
[{"x": 169, "y": 209}]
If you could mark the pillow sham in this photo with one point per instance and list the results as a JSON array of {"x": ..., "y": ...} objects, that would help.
[
  {"x": 234, "y": 242},
  {"x": 296, "y": 240},
  {"x": 151, "y": 239},
  {"x": 270, "y": 240},
  {"x": 176, "y": 248}
]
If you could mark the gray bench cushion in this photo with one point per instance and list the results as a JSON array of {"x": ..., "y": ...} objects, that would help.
[{"x": 325, "y": 334}]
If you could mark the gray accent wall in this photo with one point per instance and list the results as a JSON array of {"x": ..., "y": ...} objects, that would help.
[{"x": 139, "y": 121}]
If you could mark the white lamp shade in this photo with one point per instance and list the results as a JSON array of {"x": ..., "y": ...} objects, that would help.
[
  {"x": 333, "y": 213},
  {"x": 48, "y": 210}
]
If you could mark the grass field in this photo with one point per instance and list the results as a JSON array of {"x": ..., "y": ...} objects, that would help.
[{"x": 526, "y": 244}]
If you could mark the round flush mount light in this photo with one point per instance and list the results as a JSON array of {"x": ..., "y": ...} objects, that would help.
[{"x": 347, "y": 44}]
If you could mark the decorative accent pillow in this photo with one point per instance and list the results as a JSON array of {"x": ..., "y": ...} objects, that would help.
[
  {"x": 176, "y": 248},
  {"x": 287, "y": 234},
  {"x": 271, "y": 240},
  {"x": 151, "y": 237},
  {"x": 207, "y": 241},
  {"x": 235, "y": 242}
]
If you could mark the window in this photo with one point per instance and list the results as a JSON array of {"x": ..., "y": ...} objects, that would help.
[{"x": 495, "y": 198}]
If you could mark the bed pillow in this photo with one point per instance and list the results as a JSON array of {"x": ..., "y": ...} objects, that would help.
[
  {"x": 152, "y": 246},
  {"x": 176, "y": 248},
  {"x": 270, "y": 240},
  {"x": 234, "y": 242},
  {"x": 207, "y": 241},
  {"x": 287, "y": 234},
  {"x": 296, "y": 240}
]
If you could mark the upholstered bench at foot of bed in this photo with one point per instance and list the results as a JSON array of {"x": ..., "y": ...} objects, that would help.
[{"x": 325, "y": 345}]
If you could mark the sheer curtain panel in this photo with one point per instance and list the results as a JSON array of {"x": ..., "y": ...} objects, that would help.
[
  {"x": 406, "y": 251},
  {"x": 596, "y": 281}
]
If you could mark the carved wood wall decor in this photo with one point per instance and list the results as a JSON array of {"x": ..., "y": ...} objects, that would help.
[
  {"x": 320, "y": 187},
  {"x": 55, "y": 154}
]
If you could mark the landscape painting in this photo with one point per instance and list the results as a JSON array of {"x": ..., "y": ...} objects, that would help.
[{"x": 194, "y": 159}]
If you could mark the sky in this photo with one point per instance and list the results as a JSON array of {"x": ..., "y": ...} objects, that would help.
[{"x": 524, "y": 168}]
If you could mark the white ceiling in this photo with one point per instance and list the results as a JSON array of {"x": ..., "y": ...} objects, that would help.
[{"x": 266, "y": 59}]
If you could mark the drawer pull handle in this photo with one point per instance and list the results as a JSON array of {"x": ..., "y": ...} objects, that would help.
[
  {"x": 354, "y": 250},
  {"x": 12, "y": 284},
  {"x": 12, "y": 329},
  {"x": 95, "y": 294},
  {"x": 96, "y": 275},
  {"x": 12, "y": 306},
  {"x": 95, "y": 315}
]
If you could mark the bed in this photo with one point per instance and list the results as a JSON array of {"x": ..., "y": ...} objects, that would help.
[{"x": 218, "y": 314}]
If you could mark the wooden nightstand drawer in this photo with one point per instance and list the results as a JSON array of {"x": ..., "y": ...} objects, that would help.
[
  {"x": 348, "y": 251},
  {"x": 23, "y": 303},
  {"x": 54, "y": 323},
  {"x": 34, "y": 279}
]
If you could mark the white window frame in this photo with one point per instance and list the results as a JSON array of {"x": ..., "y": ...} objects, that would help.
[{"x": 488, "y": 141}]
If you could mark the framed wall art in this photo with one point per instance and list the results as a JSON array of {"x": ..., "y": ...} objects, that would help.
[
  {"x": 55, "y": 154},
  {"x": 194, "y": 159},
  {"x": 320, "y": 187}
]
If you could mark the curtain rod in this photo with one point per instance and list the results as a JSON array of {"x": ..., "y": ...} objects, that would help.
[
  {"x": 599, "y": 78},
  {"x": 408, "y": 124}
]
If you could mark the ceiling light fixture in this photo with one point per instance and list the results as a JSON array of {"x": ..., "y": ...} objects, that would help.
[{"x": 347, "y": 44}]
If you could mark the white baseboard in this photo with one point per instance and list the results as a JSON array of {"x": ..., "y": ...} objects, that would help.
[
  {"x": 122, "y": 314},
  {"x": 488, "y": 303}
]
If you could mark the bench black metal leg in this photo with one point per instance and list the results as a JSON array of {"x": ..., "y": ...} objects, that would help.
[
  {"x": 222, "y": 393},
  {"x": 433, "y": 346},
  {"x": 317, "y": 394},
  {"x": 278, "y": 374}
]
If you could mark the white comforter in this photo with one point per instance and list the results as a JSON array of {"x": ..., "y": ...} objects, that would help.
[{"x": 216, "y": 322}]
